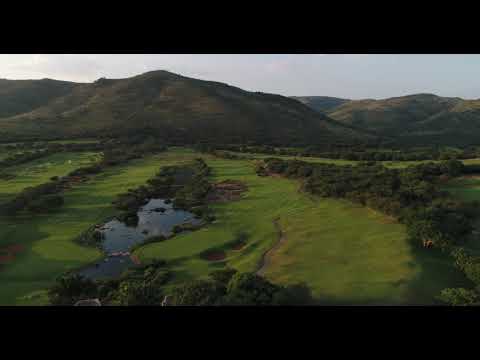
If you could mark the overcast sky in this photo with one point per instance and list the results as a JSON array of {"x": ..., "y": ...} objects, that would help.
[{"x": 347, "y": 76}]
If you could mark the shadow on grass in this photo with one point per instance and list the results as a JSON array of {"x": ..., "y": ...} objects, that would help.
[{"x": 436, "y": 272}]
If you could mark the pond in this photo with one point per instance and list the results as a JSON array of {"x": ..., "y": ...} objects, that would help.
[{"x": 157, "y": 217}]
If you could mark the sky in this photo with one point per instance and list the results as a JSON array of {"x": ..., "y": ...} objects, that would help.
[{"x": 352, "y": 76}]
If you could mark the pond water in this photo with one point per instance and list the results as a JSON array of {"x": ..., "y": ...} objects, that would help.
[{"x": 155, "y": 218}]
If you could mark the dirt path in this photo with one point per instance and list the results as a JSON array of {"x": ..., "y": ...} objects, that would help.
[{"x": 267, "y": 256}]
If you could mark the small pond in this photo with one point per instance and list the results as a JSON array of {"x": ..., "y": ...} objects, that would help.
[{"x": 155, "y": 218}]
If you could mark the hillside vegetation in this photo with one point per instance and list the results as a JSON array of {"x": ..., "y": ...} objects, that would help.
[
  {"x": 413, "y": 119},
  {"x": 176, "y": 108},
  {"x": 22, "y": 96}
]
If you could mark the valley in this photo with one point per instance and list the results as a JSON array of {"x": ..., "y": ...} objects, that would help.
[{"x": 165, "y": 190}]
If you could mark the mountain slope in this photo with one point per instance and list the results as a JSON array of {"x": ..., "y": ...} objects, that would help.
[
  {"x": 321, "y": 103},
  {"x": 175, "y": 107},
  {"x": 20, "y": 96},
  {"x": 415, "y": 119}
]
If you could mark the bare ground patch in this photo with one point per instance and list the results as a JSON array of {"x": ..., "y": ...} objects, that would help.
[
  {"x": 267, "y": 257},
  {"x": 213, "y": 255},
  {"x": 227, "y": 190},
  {"x": 7, "y": 254}
]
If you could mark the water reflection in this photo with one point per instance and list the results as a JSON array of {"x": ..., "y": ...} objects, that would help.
[{"x": 157, "y": 217}]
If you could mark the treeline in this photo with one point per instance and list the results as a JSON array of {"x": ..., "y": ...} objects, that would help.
[
  {"x": 145, "y": 285},
  {"x": 139, "y": 142},
  {"x": 46, "y": 197},
  {"x": 24, "y": 157},
  {"x": 411, "y": 195},
  {"x": 222, "y": 154},
  {"x": 349, "y": 153}
]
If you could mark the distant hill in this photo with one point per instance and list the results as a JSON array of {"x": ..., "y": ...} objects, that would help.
[
  {"x": 20, "y": 96},
  {"x": 171, "y": 107},
  {"x": 415, "y": 119},
  {"x": 321, "y": 103}
]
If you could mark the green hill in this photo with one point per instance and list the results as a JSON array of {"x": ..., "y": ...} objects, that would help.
[
  {"x": 175, "y": 107},
  {"x": 414, "y": 119},
  {"x": 21, "y": 96}
]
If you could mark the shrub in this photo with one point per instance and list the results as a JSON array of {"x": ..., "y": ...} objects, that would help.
[
  {"x": 223, "y": 276},
  {"x": 249, "y": 289},
  {"x": 71, "y": 288},
  {"x": 458, "y": 297},
  {"x": 296, "y": 294}
]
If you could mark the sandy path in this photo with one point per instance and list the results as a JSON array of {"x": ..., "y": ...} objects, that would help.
[{"x": 267, "y": 257}]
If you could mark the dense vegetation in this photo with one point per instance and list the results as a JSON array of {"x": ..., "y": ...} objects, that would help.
[
  {"x": 351, "y": 152},
  {"x": 145, "y": 285}
]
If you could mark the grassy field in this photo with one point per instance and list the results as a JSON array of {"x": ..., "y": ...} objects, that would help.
[
  {"x": 49, "y": 250},
  {"x": 346, "y": 254},
  {"x": 41, "y": 170}
]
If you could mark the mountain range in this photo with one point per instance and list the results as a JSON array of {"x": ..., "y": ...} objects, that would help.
[
  {"x": 180, "y": 109},
  {"x": 163, "y": 104}
]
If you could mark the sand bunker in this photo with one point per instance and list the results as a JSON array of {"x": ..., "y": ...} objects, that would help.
[
  {"x": 7, "y": 254},
  {"x": 228, "y": 190},
  {"x": 216, "y": 255}
]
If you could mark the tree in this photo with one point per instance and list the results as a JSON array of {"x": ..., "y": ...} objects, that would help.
[
  {"x": 249, "y": 289},
  {"x": 296, "y": 294},
  {"x": 139, "y": 293},
  {"x": 200, "y": 293},
  {"x": 70, "y": 288},
  {"x": 223, "y": 276}
]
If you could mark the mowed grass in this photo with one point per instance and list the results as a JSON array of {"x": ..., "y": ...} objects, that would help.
[
  {"x": 40, "y": 171},
  {"x": 347, "y": 254},
  {"x": 351, "y": 255},
  {"x": 50, "y": 250}
]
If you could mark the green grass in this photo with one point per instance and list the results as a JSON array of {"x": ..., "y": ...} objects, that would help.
[
  {"x": 40, "y": 171},
  {"x": 345, "y": 253},
  {"x": 351, "y": 255},
  {"x": 48, "y": 238}
]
